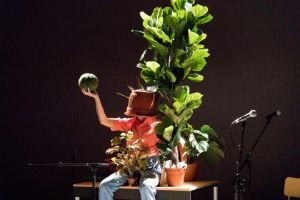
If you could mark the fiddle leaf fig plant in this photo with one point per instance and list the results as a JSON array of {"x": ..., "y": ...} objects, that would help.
[{"x": 174, "y": 57}]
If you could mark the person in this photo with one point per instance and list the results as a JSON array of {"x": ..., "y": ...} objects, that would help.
[{"x": 141, "y": 120}]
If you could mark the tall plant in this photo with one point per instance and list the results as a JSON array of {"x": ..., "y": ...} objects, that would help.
[{"x": 176, "y": 54}]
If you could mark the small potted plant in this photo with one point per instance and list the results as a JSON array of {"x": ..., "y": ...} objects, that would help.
[
  {"x": 129, "y": 158},
  {"x": 174, "y": 56}
]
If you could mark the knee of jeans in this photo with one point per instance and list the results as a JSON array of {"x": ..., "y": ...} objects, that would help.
[
  {"x": 148, "y": 183},
  {"x": 103, "y": 184}
]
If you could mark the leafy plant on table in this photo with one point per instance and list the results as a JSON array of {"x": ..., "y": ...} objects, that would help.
[{"x": 129, "y": 157}]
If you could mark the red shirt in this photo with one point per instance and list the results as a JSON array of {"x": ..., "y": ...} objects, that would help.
[{"x": 141, "y": 130}]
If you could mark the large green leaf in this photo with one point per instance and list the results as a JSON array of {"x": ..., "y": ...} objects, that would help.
[
  {"x": 156, "y": 19},
  {"x": 195, "y": 77},
  {"x": 180, "y": 27},
  {"x": 170, "y": 75},
  {"x": 159, "y": 129},
  {"x": 199, "y": 10},
  {"x": 161, "y": 49},
  {"x": 200, "y": 146},
  {"x": 178, "y": 107},
  {"x": 214, "y": 154},
  {"x": 182, "y": 118},
  {"x": 154, "y": 66},
  {"x": 180, "y": 93},
  {"x": 196, "y": 61},
  {"x": 178, "y": 4},
  {"x": 193, "y": 100},
  {"x": 175, "y": 138},
  {"x": 159, "y": 34},
  {"x": 163, "y": 108},
  {"x": 147, "y": 75},
  {"x": 185, "y": 116},
  {"x": 195, "y": 38},
  {"x": 144, "y": 16},
  {"x": 207, "y": 18},
  {"x": 170, "y": 113},
  {"x": 168, "y": 133},
  {"x": 211, "y": 132},
  {"x": 171, "y": 22}
]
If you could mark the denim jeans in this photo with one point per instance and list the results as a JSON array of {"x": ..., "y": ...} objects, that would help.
[{"x": 147, "y": 183}]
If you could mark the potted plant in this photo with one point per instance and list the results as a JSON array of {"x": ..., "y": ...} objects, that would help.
[
  {"x": 204, "y": 143},
  {"x": 174, "y": 56},
  {"x": 129, "y": 158}
]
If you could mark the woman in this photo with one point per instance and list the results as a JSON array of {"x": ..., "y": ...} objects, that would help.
[{"x": 141, "y": 111}]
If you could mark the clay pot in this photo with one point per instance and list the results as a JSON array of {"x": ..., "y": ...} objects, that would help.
[
  {"x": 131, "y": 181},
  {"x": 191, "y": 172},
  {"x": 141, "y": 102},
  {"x": 175, "y": 176}
]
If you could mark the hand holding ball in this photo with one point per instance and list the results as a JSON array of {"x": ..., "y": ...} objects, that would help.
[{"x": 88, "y": 81}]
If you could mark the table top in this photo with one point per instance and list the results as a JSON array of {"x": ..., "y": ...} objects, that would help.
[{"x": 187, "y": 186}]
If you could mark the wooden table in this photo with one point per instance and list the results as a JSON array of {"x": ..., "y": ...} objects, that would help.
[{"x": 184, "y": 192}]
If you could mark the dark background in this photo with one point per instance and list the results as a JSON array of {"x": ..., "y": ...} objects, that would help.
[{"x": 47, "y": 45}]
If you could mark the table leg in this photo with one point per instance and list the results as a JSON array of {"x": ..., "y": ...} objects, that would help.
[{"x": 215, "y": 193}]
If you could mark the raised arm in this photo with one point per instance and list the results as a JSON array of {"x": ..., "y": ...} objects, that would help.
[{"x": 103, "y": 119}]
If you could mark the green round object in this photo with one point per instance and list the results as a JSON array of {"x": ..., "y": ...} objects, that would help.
[{"x": 88, "y": 80}]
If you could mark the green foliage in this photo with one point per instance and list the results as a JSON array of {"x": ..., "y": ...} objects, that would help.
[
  {"x": 88, "y": 81},
  {"x": 174, "y": 38},
  {"x": 129, "y": 157},
  {"x": 176, "y": 55},
  {"x": 204, "y": 142}
]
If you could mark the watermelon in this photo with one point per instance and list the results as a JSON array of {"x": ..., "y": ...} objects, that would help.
[{"x": 88, "y": 80}]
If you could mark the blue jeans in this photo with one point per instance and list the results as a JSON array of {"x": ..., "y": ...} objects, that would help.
[{"x": 147, "y": 183}]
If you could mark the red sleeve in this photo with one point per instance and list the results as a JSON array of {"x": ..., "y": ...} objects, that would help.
[{"x": 122, "y": 124}]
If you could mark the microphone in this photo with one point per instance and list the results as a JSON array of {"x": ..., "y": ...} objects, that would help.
[
  {"x": 252, "y": 113},
  {"x": 271, "y": 115}
]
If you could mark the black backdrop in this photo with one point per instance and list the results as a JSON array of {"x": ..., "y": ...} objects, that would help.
[{"x": 47, "y": 45}]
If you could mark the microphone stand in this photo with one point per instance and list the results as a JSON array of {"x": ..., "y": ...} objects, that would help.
[
  {"x": 239, "y": 187},
  {"x": 249, "y": 154},
  {"x": 92, "y": 166}
]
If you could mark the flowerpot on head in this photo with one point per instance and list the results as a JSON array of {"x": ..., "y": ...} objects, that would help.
[
  {"x": 131, "y": 181},
  {"x": 175, "y": 176}
]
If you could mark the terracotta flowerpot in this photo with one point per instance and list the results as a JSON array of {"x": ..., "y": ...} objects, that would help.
[
  {"x": 191, "y": 172},
  {"x": 175, "y": 176},
  {"x": 131, "y": 181}
]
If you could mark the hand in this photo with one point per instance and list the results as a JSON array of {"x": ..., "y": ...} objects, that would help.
[{"x": 87, "y": 92}]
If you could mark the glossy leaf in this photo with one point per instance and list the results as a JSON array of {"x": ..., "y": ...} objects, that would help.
[
  {"x": 167, "y": 134},
  {"x": 144, "y": 16},
  {"x": 176, "y": 138},
  {"x": 195, "y": 77},
  {"x": 204, "y": 19},
  {"x": 171, "y": 76},
  {"x": 180, "y": 93},
  {"x": 199, "y": 10},
  {"x": 154, "y": 66},
  {"x": 178, "y": 107},
  {"x": 196, "y": 61},
  {"x": 193, "y": 100}
]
